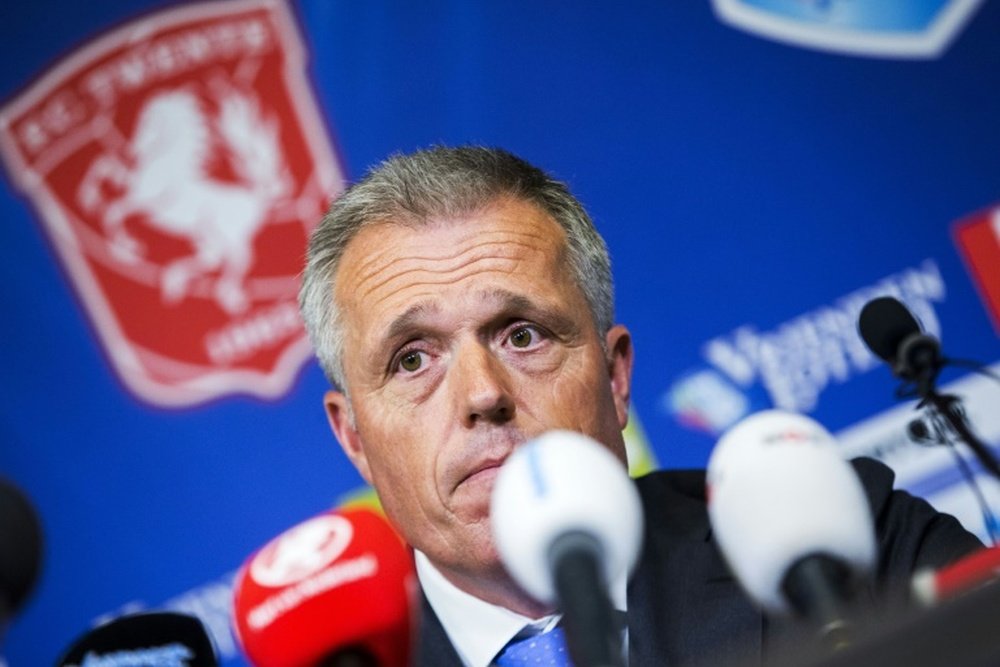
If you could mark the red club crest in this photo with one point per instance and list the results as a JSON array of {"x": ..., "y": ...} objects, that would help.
[{"x": 178, "y": 164}]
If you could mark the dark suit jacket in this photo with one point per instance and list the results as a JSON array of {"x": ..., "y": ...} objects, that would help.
[{"x": 685, "y": 608}]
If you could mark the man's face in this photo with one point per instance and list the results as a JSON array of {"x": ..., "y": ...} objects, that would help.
[{"x": 463, "y": 339}]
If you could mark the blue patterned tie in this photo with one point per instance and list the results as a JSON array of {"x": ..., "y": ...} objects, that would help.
[{"x": 544, "y": 650}]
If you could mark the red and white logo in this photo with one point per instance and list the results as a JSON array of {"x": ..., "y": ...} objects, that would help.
[
  {"x": 179, "y": 164},
  {"x": 978, "y": 239},
  {"x": 302, "y": 551}
]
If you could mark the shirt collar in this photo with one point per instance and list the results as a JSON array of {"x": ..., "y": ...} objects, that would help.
[{"x": 478, "y": 629}]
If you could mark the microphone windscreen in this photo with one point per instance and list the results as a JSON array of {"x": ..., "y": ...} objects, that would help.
[
  {"x": 559, "y": 483},
  {"x": 155, "y": 638},
  {"x": 342, "y": 583},
  {"x": 20, "y": 548},
  {"x": 884, "y": 323},
  {"x": 779, "y": 491}
]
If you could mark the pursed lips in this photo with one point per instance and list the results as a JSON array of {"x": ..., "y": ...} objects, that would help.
[
  {"x": 489, "y": 468},
  {"x": 485, "y": 469},
  {"x": 492, "y": 454}
]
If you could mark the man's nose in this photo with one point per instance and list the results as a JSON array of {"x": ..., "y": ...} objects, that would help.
[{"x": 482, "y": 386}]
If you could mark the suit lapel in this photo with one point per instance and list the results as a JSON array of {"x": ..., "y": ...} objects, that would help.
[
  {"x": 434, "y": 649},
  {"x": 684, "y": 607}
]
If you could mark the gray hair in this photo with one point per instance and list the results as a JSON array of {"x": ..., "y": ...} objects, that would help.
[{"x": 442, "y": 183}]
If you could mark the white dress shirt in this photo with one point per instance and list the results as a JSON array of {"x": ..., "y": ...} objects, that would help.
[{"x": 478, "y": 629}]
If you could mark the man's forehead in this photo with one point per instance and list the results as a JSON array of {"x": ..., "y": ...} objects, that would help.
[
  {"x": 492, "y": 212},
  {"x": 393, "y": 274},
  {"x": 382, "y": 243},
  {"x": 498, "y": 300}
]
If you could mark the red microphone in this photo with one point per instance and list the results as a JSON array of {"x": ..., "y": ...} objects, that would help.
[
  {"x": 974, "y": 570},
  {"x": 337, "y": 589}
]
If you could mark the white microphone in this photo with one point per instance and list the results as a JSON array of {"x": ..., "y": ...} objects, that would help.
[
  {"x": 567, "y": 520},
  {"x": 791, "y": 517}
]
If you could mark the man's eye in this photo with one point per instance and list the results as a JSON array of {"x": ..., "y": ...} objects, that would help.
[
  {"x": 522, "y": 337},
  {"x": 411, "y": 361}
]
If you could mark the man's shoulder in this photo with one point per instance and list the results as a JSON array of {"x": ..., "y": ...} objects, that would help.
[
  {"x": 689, "y": 483},
  {"x": 675, "y": 498},
  {"x": 911, "y": 533}
]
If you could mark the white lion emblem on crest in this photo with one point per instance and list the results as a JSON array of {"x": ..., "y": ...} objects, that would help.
[{"x": 161, "y": 174}]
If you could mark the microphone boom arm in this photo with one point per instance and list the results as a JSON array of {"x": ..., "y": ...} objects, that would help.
[{"x": 945, "y": 406}]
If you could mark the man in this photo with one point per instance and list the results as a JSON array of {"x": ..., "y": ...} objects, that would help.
[{"x": 461, "y": 301}]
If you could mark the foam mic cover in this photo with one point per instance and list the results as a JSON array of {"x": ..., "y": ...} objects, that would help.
[
  {"x": 779, "y": 492},
  {"x": 563, "y": 483},
  {"x": 154, "y": 638},
  {"x": 884, "y": 323},
  {"x": 337, "y": 589},
  {"x": 20, "y": 549},
  {"x": 894, "y": 335}
]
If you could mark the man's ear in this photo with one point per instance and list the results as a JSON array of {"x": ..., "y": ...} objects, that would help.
[
  {"x": 620, "y": 354},
  {"x": 338, "y": 413}
]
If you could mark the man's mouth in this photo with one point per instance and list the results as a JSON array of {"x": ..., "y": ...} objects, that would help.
[
  {"x": 484, "y": 473},
  {"x": 485, "y": 460}
]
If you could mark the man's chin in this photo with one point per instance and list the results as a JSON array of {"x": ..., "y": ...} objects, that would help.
[
  {"x": 471, "y": 500},
  {"x": 473, "y": 547}
]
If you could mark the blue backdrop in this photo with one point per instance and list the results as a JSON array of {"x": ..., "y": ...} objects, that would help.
[{"x": 753, "y": 194}]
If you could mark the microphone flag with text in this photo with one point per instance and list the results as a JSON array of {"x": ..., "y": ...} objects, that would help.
[
  {"x": 568, "y": 522},
  {"x": 148, "y": 638},
  {"x": 791, "y": 518},
  {"x": 338, "y": 589}
]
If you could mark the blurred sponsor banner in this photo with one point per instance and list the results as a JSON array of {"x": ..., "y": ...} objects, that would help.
[
  {"x": 790, "y": 366},
  {"x": 164, "y": 162}
]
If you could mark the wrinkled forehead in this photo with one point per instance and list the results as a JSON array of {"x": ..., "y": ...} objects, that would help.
[
  {"x": 505, "y": 219},
  {"x": 511, "y": 239}
]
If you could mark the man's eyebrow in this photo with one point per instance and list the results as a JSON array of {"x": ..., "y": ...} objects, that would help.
[
  {"x": 407, "y": 321},
  {"x": 511, "y": 302},
  {"x": 518, "y": 304}
]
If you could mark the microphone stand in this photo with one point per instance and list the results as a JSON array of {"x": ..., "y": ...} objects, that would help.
[
  {"x": 591, "y": 635},
  {"x": 948, "y": 407},
  {"x": 922, "y": 368}
]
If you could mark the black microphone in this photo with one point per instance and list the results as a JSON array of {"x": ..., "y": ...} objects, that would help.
[
  {"x": 20, "y": 549},
  {"x": 892, "y": 333},
  {"x": 150, "y": 638}
]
